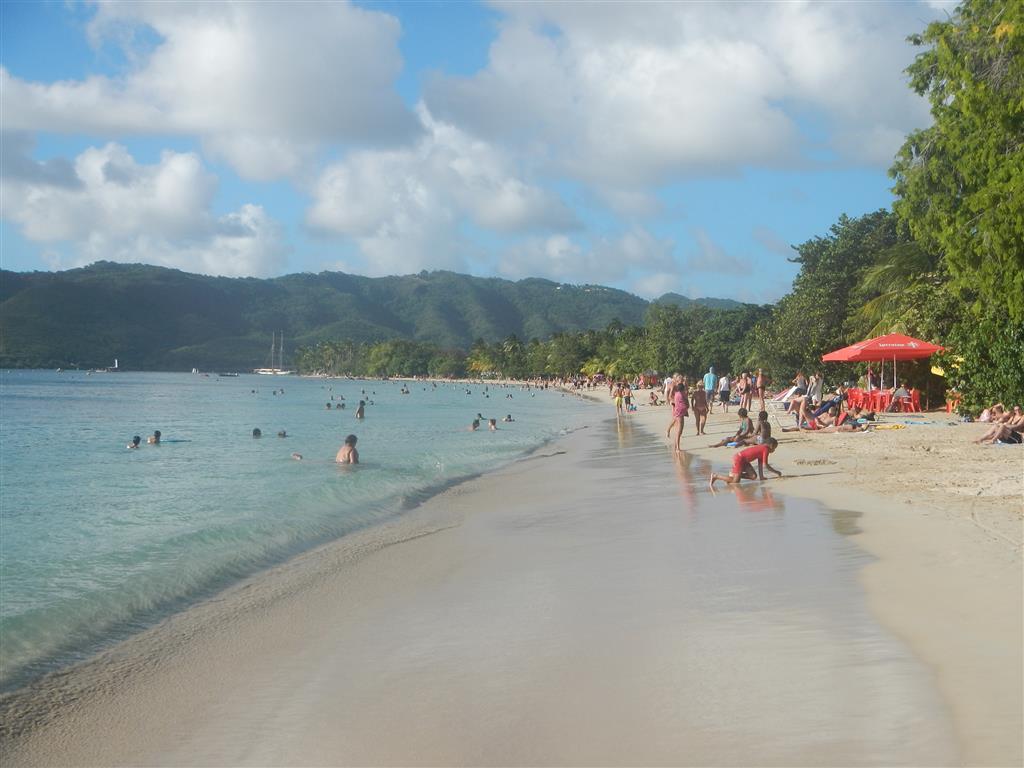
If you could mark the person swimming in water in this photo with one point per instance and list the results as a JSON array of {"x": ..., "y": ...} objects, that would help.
[
  {"x": 135, "y": 442},
  {"x": 257, "y": 432},
  {"x": 154, "y": 439},
  {"x": 348, "y": 454},
  {"x": 492, "y": 424}
]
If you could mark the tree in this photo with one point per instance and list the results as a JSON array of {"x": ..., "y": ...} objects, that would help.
[
  {"x": 812, "y": 319},
  {"x": 960, "y": 182}
]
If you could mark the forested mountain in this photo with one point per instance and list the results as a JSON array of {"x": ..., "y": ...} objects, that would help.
[
  {"x": 156, "y": 318},
  {"x": 685, "y": 301}
]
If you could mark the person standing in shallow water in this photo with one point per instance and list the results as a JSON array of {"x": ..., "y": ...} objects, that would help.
[
  {"x": 679, "y": 411},
  {"x": 361, "y": 410},
  {"x": 699, "y": 402},
  {"x": 348, "y": 454}
]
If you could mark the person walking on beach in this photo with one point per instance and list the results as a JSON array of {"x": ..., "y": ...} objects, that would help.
[
  {"x": 723, "y": 392},
  {"x": 617, "y": 394},
  {"x": 743, "y": 464},
  {"x": 710, "y": 382},
  {"x": 670, "y": 383},
  {"x": 348, "y": 454},
  {"x": 679, "y": 412},
  {"x": 760, "y": 383}
]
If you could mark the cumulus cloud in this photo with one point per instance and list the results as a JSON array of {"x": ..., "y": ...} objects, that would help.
[
  {"x": 635, "y": 258},
  {"x": 263, "y": 84},
  {"x": 117, "y": 209},
  {"x": 405, "y": 208},
  {"x": 624, "y": 95}
]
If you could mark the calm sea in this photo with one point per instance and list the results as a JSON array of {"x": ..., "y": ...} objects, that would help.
[{"x": 98, "y": 541}]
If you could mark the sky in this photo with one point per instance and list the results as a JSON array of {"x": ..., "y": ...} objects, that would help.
[{"x": 649, "y": 146}]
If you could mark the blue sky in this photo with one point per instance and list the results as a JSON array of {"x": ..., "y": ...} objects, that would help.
[{"x": 654, "y": 147}]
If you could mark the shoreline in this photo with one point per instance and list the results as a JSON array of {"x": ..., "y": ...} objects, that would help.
[{"x": 151, "y": 669}]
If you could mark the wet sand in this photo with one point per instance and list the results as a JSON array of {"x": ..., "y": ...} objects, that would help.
[
  {"x": 593, "y": 604},
  {"x": 944, "y": 519}
]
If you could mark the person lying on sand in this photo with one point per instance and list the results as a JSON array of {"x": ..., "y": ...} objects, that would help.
[
  {"x": 746, "y": 428},
  {"x": 743, "y": 461}
]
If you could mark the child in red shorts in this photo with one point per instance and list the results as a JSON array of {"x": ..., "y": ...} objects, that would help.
[{"x": 743, "y": 463}]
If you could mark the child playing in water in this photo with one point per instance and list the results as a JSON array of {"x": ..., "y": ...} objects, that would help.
[{"x": 743, "y": 461}]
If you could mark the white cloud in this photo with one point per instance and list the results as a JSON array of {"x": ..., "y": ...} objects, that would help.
[
  {"x": 405, "y": 208},
  {"x": 635, "y": 258},
  {"x": 120, "y": 210},
  {"x": 622, "y": 95},
  {"x": 263, "y": 84}
]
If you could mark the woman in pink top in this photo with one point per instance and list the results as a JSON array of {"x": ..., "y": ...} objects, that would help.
[{"x": 679, "y": 411}]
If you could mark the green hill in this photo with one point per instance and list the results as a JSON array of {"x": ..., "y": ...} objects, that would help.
[
  {"x": 152, "y": 318},
  {"x": 684, "y": 301}
]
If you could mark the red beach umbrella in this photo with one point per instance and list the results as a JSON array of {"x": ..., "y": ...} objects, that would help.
[{"x": 892, "y": 346}]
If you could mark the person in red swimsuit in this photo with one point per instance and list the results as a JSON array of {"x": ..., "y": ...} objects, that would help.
[{"x": 743, "y": 463}]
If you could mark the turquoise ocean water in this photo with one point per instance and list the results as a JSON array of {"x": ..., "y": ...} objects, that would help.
[{"x": 97, "y": 541}]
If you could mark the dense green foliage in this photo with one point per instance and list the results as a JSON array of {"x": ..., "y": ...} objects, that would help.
[
  {"x": 960, "y": 182},
  {"x": 671, "y": 340},
  {"x": 985, "y": 363}
]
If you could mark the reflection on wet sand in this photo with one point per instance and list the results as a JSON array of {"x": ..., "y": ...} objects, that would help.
[
  {"x": 689, "y": 475},
  {"x": 757, "y": 497}
]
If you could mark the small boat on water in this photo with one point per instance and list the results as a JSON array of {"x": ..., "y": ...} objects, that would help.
[
  {"x": 228, "y": 375},
  {"x": 276, "y": 355},
  {"x": 112, "y": 369}
]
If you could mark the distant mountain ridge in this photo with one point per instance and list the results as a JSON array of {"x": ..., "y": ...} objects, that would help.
[{"x": 154, "y": 318}]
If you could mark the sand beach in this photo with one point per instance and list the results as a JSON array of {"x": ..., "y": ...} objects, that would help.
[{"x": 595, "y": 604}]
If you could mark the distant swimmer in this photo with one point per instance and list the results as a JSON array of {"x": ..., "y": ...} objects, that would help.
[
  {"x": 492, "y": 425},
  {"x": 508, "y": 418},
  {"x": 328, "y": 406},
  {"x": 475, "y": 425},
  {"x": 154, "y": 439},
  {"x": 282, "y": 433},
  {"x": 135, "y": 442},
  {"x": 297, "y": 456},
  {"x": 348, "y": 453},
  {"x": 257, "y": 432},
  {"x": 361, "y": 410}
]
